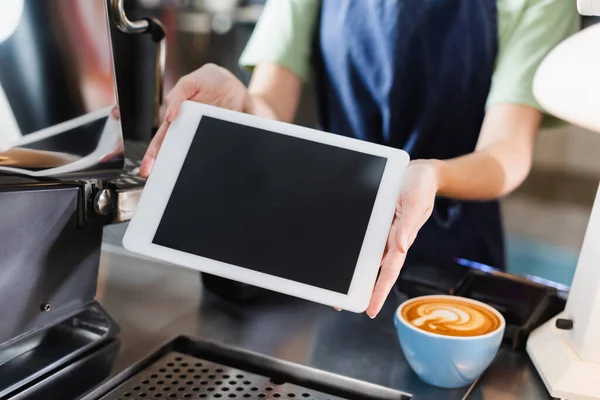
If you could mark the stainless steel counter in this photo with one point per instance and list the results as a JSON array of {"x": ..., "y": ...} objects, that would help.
[{"x": 153, "y": 303}]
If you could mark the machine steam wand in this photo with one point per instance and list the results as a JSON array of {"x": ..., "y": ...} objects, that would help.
[
  {"x": 114, "y": 204},
  {"x": 156, "y": 30}
]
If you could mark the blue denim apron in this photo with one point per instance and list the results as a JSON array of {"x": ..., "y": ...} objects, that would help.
[{"x": 415, "y": 75}]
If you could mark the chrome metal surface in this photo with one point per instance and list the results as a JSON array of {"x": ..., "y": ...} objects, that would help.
[
  {"x": 20, "y": 347},
  {"x": 127, "y": 201},
  {"x": 151, "y": 26},
  {"x": 85, "y": 148},
  {"x": 159, "y": 78},
  {"x": 282, "y": 376},
  {"x": 123, "y": 23},
  {"x": 180, "y": 376},
  {"x": 118, "y": 205},
  {"x": 154, "y": 302},
  {"x": 104, "y": 202},
  {"x": 50, "y": 348},
  {"x": 74, "y": 380},
  {"x": 56, "y": 84},
  {"x": 512, "y": 376}
]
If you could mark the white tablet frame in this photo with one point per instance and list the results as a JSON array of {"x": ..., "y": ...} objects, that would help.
[{"x": 153, "y": 201}]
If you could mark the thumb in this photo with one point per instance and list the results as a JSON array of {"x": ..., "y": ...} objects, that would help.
[{"x": 184, "y": 89}]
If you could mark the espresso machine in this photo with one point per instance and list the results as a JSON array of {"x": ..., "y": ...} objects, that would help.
[
  {"x": 68, "y": 168},
  {"x": 66, "y": 171}
]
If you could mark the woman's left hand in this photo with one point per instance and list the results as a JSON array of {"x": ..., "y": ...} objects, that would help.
[{"x": 415, "y": 204}]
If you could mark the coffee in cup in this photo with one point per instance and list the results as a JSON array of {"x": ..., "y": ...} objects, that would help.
[
  {"x": 450, "y": 316},
  {"x": 448, "y": 341}
]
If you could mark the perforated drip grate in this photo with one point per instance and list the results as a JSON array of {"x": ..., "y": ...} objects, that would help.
[{"x": 178, "y": 376}]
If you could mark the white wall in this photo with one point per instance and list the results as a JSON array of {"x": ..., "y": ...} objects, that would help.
[{"x": 569, "y": 149}]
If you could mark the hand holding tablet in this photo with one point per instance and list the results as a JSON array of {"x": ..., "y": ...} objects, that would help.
[{"x": 286, "y": 208}]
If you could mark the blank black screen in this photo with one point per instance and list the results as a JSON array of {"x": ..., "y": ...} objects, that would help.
[{"x": 272, "y": 203}]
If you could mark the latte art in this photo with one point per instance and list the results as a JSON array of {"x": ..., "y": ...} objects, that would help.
[{"x": 450, "y": 317}]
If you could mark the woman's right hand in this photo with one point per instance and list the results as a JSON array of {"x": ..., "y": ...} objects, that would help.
[{"x": 209, "y": 84}]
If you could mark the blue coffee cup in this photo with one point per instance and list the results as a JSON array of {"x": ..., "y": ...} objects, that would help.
[{"x": 447, "y": 361}]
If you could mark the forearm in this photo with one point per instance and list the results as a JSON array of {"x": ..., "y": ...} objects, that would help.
[
  {"x": 501, "y": 161},
  {"x": 255, "y": 105},
  {"x": 274, "y": 93},
  {"x": 486, "y": 174}
]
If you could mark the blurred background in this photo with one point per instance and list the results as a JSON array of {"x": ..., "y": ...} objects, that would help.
[
  {"x": 70, "y": 72},
  {"x": 546, "y": 218}
]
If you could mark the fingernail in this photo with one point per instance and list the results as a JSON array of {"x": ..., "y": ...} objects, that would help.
[{"x": 371, "y": 316}]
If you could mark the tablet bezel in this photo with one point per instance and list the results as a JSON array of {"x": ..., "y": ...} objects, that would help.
[{"x": 155, "y": 196}]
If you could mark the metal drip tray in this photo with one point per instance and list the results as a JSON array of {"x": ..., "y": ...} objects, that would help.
[
  {"x": 177, "y": 376},
  {"x": 190, "y": 368}
]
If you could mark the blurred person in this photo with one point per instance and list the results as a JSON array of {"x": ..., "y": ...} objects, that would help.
[{"x": 449, "y": 81}]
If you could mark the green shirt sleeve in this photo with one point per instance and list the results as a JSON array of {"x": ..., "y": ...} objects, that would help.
[
  {"x": 284, "y": 36},
  {"x": 528, "y": 30}
]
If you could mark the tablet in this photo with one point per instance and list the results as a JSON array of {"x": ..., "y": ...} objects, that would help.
[{"x": 274, "y": 205}]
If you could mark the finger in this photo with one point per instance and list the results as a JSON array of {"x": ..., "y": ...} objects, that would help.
[
  {"x": 386, "y": 280},
  {"x": 115, "y": 112},
  {"x": 184, "y": 89},
  {"x": 152, "y": 152},
  {"x": 384, "y": 255},
  {"x": 411, "y": 215},
  {"x": 391, "y": 242}
]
